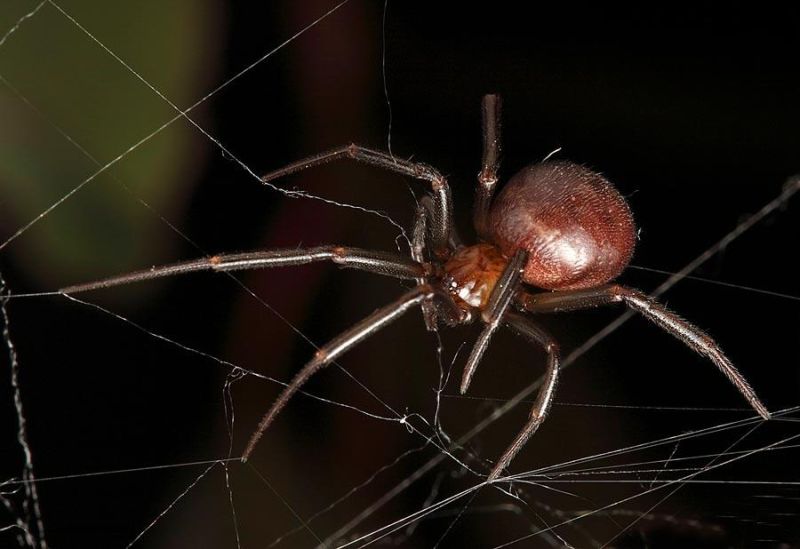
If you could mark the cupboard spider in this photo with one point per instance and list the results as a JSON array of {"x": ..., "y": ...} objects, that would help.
[{"x": 556, "y": 226}]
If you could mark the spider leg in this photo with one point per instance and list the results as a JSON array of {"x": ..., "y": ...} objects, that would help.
[
  {"x": 487, "y": 178},
  {"x": 384, "y": 263},
  {"x": 339, "y": 345},
  {"x": 670, "y": 322},
  {"x": 499, "y": 302},
  {"x": 418, "y": 247},
  {"x": 442, "y": 219},
  {"x": 523, "y": 326}
]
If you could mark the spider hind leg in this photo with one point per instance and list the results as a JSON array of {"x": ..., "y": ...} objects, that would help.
[{"x": 692, "y": 336}]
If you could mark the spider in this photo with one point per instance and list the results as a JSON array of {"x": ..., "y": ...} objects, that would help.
[{"x": 551, "y": 241}]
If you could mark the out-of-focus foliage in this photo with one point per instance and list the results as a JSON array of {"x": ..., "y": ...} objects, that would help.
[{"x": 69, "y": 82}]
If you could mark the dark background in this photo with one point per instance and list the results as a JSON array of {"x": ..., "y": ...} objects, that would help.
[{"x": 693, "y": 114}]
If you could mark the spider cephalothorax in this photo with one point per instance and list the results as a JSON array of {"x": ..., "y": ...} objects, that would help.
[
  {"x": 551, "y": 241},
  {"x": 472, "y": 273}
]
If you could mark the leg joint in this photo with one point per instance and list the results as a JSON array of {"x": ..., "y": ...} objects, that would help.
[
  {"x": 339, "y": 255},
  {"x": 487, "y": 180},
  {"x": 427, "y": 292},
  {"x": 552, "y": 348},
  {"x": 619, "y": 293}
]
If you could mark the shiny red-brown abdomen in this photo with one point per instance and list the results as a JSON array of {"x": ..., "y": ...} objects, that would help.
[{"x": 575, "y": 225}]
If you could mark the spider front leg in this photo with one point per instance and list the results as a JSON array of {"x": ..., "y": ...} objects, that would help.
[
  {"x": 670, "y": 322},
  {"x": 494, "y": 313},
  {"x": 420, "y": 244},
  {"x": 384, "y": 263},
  {"x": 524, "y": 327},
  {"x": 342, "y": 343},
  {"x": 419, "y": 241},
  {"x": 442, "y": 223},
  {"x": 419, "y": 252},
  {"x": 487, "y": 178}
]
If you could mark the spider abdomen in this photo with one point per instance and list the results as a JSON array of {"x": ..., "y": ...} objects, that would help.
[{"x": 575, "y": 226}]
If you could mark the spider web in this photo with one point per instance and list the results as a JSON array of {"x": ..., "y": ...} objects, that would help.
[{"x": 126, "y": 409}]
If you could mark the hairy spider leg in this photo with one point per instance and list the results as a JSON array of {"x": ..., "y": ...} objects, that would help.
[
  {"x": 692, "y": 336},
  {"x": 384, "y": 263},
  {"x": 419, "y": 244},
  {"x": 526, "y": 328},
  {"x": 342, "y": 343},
  {"x": 487, "y": 178},
  {"x": 499, "y": 302},
  {"x": 442, "y": 223}
]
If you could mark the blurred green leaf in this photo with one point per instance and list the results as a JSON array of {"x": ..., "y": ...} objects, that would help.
[{"x": 58, "y": 84}]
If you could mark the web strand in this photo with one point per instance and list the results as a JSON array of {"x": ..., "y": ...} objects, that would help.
[
  {"x": 461, "y": 504},
  {"x": 184, "y": 114},
  {"x": 31, "y": 518},
  {"x": 20, "y": 22}
]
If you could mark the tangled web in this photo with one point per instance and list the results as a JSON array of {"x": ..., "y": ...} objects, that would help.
[{"x": 128, "y": 141}]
